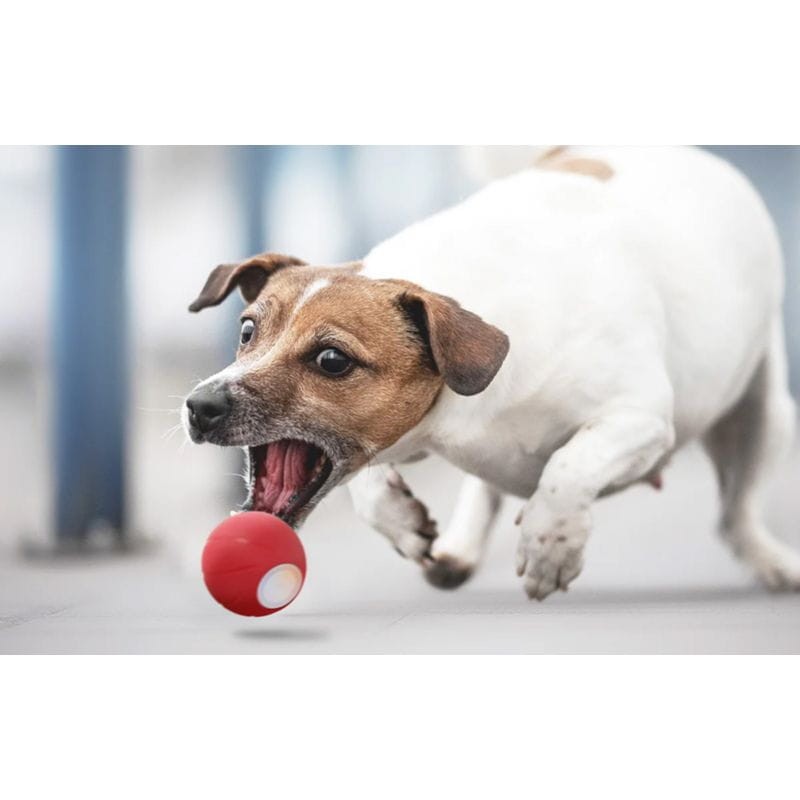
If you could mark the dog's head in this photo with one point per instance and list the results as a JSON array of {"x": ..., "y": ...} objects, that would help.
[{"x": 332, "y": 368}]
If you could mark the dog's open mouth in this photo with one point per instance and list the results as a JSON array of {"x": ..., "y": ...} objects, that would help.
[{"x": 285, "y": 476}]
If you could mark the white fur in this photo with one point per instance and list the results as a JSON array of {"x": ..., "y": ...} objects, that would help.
[{"x": 638, "y": 310}]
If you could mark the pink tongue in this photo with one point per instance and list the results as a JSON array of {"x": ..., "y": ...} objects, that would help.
[{"x": 285, "y": 473}]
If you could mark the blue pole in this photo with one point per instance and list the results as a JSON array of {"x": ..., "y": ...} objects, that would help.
[
  {"x": 356, "y": 244},
  {"x": 90, "y": 341},
  {"x": 253, "y": 165}
]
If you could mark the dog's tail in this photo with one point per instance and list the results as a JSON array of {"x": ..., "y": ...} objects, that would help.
[{"x": 486, "y": 163}]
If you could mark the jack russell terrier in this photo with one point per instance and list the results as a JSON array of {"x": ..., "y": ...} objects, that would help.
[{"x": 557, "y": 335}]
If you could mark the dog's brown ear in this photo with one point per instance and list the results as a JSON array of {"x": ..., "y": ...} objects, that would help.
[
  {"x": 250, "y": 276},
  {"x": 465, "y": 350}
]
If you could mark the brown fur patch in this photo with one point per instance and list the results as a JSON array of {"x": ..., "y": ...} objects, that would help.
[
  {"x": 550, "y": 155},
  {"x": 558, "y": 159}
]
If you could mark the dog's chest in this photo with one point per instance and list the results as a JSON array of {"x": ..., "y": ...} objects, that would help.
[
  {"x": 500, "y": 458},
  {"x": 517, "y": 474},
  {"x": 505, "y": 441}
]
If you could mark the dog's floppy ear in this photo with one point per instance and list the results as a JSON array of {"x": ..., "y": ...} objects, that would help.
[
  {"x": 250, "y": 276},
  {"x": 466, "y": 351}
]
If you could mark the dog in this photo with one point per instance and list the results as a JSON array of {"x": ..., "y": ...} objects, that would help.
[{"x": 558, "y": 336}]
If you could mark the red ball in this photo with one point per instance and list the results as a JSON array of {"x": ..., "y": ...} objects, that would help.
[{"x": 254, "y": 564}]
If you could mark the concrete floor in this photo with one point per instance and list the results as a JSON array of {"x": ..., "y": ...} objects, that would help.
[{"x": 656, "y": 578}]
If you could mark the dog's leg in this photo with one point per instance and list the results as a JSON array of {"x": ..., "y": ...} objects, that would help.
[
  {"x": 383, "y": 500},
  {"x": 613, "y": 450},
  {"x": 457, "y": 552},
  {"x": 744, "y": 445}
]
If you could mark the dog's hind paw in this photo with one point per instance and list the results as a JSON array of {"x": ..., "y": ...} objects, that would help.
[{"x": 778, "y": 567}]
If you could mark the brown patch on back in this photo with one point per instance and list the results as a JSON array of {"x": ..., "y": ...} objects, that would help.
[
  {"x": 558, "y": 159},
  {"x": 550, "y": 155}
]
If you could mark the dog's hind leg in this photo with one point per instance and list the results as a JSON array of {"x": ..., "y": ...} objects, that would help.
[
  {"x": 744, "y": 445},
  {"x": 458, "y": 551}
]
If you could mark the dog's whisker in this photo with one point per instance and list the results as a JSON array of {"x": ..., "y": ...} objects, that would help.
[{"x": 168, "y": 434}]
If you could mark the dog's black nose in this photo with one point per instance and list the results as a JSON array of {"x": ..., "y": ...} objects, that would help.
[{"x": 208, "y": 406}]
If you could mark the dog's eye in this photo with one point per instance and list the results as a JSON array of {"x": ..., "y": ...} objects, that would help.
[
  {"x": 333, "y": 362},
  {"x": 248, "y": 329}
]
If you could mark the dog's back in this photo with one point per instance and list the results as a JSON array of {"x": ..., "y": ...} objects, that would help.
[{"x": 667, "y": 247}]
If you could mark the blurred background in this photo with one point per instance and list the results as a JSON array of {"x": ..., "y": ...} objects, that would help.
[{"x": 103, "y": 248}]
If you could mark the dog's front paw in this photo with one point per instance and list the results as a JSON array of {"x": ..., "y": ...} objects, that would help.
[
  {"x": 446, "y": 571},
  {"x": 550, "y": 550},
  {"x": 400, "y": 517}
]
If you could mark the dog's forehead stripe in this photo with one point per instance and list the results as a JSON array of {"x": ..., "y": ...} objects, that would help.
[{"x": 310, "y": 290}]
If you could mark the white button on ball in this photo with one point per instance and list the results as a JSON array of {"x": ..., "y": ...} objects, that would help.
[{"x": 279, "y": 586}]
